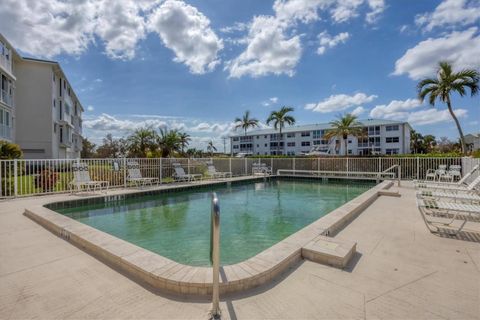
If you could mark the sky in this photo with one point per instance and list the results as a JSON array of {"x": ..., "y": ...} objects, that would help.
[{"x": 195, "y": 65}]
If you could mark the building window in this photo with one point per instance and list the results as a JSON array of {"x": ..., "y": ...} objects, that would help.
[
  {"x": 235, "y": 146},
  {"x": 305, "y": 134},
  {"x": 266, "y": 145},
  {"x": 317, "y": 134},
  {"x": 374, "y": 131},
  {"x": 349, "y": 151},
  {"x": 235, "y": 139},
  {"x": 290, "y": 144},
  {"x": 291, "y": 135},
  {"x": 305, "y": 143},
  {"x": 258, "y": 146},
  {"x": 391, "y": 151},
  {"x": 392, "y": 128},
  {"x": 53, "y": 77},
  {"x": 258, "y": 137},
  {"x": 349, "y": 141},
  {"x": 266, "y": 137},
  {"x": 392, "y": 139}
]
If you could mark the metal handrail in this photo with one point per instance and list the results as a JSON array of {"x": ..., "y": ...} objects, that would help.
[
  {"x": 215, "y": 255},
  {"x": 399, "y": 172}
]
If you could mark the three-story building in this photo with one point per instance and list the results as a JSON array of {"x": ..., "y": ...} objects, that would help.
[
  {"x": 380, "y": 137},
  {"x": 8, "y": 59}
]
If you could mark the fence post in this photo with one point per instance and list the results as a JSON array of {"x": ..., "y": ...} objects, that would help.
[
  {"x": 1, "y": 181},
  {"x": 188, "y": 166},
  {"x": 161, "y": 171},
  {"x": 230, "y": 165},
  {"x": 124, "y": 172},
  {"x": 379, "y": 164},
  {"x": 246, "y": 166},
  {"x": 271, "y": 164},
  {"x": 418, "y": 168},
  {"x": 347, "y": 166},
  {"x": 294, "y": 166},
  {"x": 15, "y": 182}
]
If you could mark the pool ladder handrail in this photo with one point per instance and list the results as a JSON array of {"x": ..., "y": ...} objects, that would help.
[{"x": 215, "y": 255}]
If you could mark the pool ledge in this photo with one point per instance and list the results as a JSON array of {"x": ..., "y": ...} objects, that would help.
[{"x": 169, "y": 276}]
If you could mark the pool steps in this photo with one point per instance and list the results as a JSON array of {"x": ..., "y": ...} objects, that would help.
[{"x": 165, "y": 275}]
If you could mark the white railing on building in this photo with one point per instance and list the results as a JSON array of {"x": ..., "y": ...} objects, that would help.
[
  {"x": 6, "y": 98},
  {"x": 47, "y": 176}
]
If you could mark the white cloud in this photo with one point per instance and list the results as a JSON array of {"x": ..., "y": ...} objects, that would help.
[
  {"x": 327, "y": 41},
  {"x": 358, "y": 111},
  {"x": 236, "y": 27},
  {"x": 396, "y": 109},
  {"x": 461, "y": 48},
  {"x": 345, "y": 10},
  {"x": 432, "y": 116},
  {"x": 51, "y": 27},
  {"x": 90, "y": 108},
  {"x": 269, "y": 50},
  {"x": 405, "y": 110},
  {"x": 340, "y": 102},
  {"x": 270, "y": 101},
  {"x": 98, "y": 80},
  {"x": 450, "y": 13},
  {"x": 377, "y": 7},
  {"x": 187, "y": 32}
]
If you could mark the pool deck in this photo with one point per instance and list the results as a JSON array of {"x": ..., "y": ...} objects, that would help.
[{"x": 400, "y": 271}]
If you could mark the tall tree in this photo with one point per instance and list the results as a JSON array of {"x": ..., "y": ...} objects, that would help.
[
  {"x": 211, "y": 148},
  {"x": 169, "y": 142},
  {"x": 109, "y": 148},
  {"x": 141, "y": 141},
  {"x": 444, "y": 85},
  {"x": 246, "y": 122},
  {"x": 279, "y": 119},
  {"x": 88, "y": 149},
  {"x": 346, "y": 125},
  {"x": 184, "y": 140}
]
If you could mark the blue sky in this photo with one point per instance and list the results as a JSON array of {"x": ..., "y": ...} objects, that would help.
[{"x": 196, "y": 65}]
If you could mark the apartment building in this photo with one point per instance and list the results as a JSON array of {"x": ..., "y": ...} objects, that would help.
[
  {"x": 49, "y": 114},
  {"x": 381, "y": 137},
  {"x": 8, "y": 59},
  {"x": 38, "y": 108}
]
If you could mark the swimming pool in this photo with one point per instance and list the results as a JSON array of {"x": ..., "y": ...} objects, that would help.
[{"x": 254, "y": 216}]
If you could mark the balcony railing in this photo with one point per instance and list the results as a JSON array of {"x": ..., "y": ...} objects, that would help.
[
  {"x": 7, "y": 98},
  {"x": 6, "y": 64}
]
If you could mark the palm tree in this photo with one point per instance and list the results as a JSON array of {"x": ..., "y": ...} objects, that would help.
[
  {"x": 184, "y": 140},
  {"x": 169, "y": 142},
  {"x": 211, "y": 148},
  {"x": 279, "y": 118},
  {"x": 446, "y": 83},
  {"x": 141, "y": 141},
  {"x": 344, "y": 126},
  {"x": 246, "y": 122}
]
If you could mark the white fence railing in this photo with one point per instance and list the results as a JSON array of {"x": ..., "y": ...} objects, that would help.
[{"x": 36, "y": 177}]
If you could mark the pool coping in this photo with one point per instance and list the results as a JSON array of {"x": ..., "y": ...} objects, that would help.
[{"x": 169, "y": 276}]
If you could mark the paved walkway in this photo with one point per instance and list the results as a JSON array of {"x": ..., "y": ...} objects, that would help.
[{"x": 401, "y": 271}]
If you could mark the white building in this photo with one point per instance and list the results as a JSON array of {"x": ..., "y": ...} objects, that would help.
[
  {"x": 38, "y": 108},
  {"x": 472, "y": 141},
  {"x": 381, "y": 137},
  {"x": 8, "y": 59}
]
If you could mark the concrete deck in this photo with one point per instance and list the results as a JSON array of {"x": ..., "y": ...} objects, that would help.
[{"x": 400, "y": 271}]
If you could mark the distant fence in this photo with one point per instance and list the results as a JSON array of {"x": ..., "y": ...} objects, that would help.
[{"x": 46, "y": 176}]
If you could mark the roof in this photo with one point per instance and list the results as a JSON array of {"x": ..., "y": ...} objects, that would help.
[{"x": 319, "y": 126}]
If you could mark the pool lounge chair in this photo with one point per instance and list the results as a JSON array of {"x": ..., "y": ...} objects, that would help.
[
  {"x": 180, "y": 175},
  {"x": 459, "y": 182},
  {"x": 135, "y": 175},
  {"x": 452, "y": 187},
  {"x": 458, "y": 210},
  {"x": 460, "y": 197},
  {"x": 82, "y": 181},
  {"x": 212, "y": 171},
  {"x": 261, "y": 168}
]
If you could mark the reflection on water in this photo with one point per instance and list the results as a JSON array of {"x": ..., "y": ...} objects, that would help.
[{"x": 254, "y": 216}]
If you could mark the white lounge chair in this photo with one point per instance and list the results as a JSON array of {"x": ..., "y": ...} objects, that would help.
[
  {"x": 461, "y": 197},
  {"x": 451, "y": 187},
  {"x": 135, "y": 175},
  {"x": 261, "y": 168},
  {"x": 82, "y": 181},
  {"x": 180, "y": 175},
  {"x": 434, "y": 207},
  {"x": 459, "y": 182},
  {"x": 212, "y": 171}
]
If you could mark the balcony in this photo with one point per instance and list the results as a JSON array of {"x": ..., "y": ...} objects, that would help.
[
  {"x": 6, "y": 64},
  {"x": 5, "y": 132},
  {"x": 7, "y": 98}
]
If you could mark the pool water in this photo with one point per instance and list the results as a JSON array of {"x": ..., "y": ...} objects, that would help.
[{"x": 254, "y": 216}]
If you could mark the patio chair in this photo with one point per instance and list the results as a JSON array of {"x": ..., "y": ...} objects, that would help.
[
  {"x": 82, "y": 181},
  {"x": 212, "y": 171},
  {"x": 451, "y": 187},
  {"x": 261, "y": 168},
  {"x": 461, "y": 197},
  {"x": 180, "y": 175},
  {"x": 458, "y": 210},
  {"x": 135, "y": 175},
  {"x": 457, "y": 183}
]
